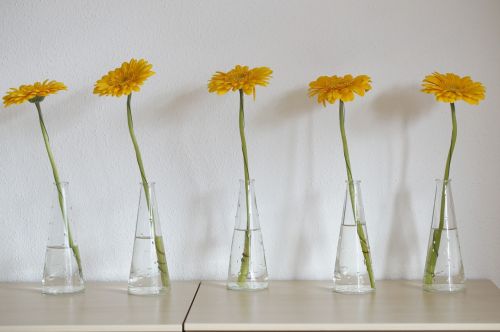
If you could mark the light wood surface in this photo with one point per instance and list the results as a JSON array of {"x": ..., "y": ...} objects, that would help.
[
  {"x": 313, "y": 306},
  {"x": 103, "y": 307}
]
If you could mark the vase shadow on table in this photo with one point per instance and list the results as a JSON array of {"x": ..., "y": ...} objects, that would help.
[
  {"x": 26, "y": 288},
  {"x": 121, "y": 288},
  {"x": 402, "y": 105},
  {"x": 412, "y": 284}
]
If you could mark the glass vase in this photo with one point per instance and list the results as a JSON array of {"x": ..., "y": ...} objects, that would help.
[
  {"x": 247, "y": 263},
  {"x": 62, "y": 273},
  {"x": 353, "y": 265},
  {"x": 148, "y": 270},
  {"x": 444, "y": 271}
]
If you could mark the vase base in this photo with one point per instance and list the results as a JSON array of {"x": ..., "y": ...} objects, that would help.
[
  {"x": 56, "y": 290},
  {"x": 353, "y": 289},
  {"x": 443, "y": 288},
  {"x": 247, "y": 285}
]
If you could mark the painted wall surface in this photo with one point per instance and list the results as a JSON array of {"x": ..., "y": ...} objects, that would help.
[{"x": 398, "y": 136}]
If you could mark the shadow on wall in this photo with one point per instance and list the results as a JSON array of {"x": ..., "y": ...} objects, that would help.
[
  {"x": 208, "y": 224},
  {"x": 298, "y": 220},
  {"x": 173, "y": 111},
  {"x": 292, "y": 105},
  {"x": 60, "y": 117},
  {"x": 10, "y": 113},
  {"x": 176, "y": 112},
  {"x": 404, "y": 104},
  {"x": 59, "y": 110}
]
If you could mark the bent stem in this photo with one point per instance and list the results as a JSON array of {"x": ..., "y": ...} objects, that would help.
[
  {"x": 71, "y": 243},
  {"x": 433, "y": 252},
  {"x": 245, "y": 259},
  {"x": 365, "y": 248},
  {"x": 160, "y": 250}
]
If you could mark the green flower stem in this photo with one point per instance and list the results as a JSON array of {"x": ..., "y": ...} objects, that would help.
[
  {"x": 72, "y": 245},
  {"x": 245, "y": 259},
  {"x": 432, "y": 254},
  {"x": 162, "y": 260},
  {"x": 160, "y": 250},
  {"x": 365, "y": 248}
]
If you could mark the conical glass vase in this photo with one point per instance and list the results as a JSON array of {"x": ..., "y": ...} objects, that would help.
[
  {"x": 444, "y": 271},
  {"x": 148, "y": 270},
  {"x": 353, "y": 265},
  {"x": 247, "y": 263},
  {"x": 62, "y": 273}
]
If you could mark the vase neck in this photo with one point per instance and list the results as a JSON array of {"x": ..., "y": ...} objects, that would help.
[
  {"x": 444, "y": 209},
  {"x": 247, "y": 217},
  {"x": 353, "y": 212},
  {"x": 251, "y": 184},
  {"x": 59, "y": 222}
]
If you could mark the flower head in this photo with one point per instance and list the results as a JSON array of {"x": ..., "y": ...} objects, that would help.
[
  {"x": 125, "y": 79},
  {"x": 450, "y": 87},
  {"x": 330, "y": 88},
  {"x": 239, "y": 78},
  {"x": 32, "y": 92}
]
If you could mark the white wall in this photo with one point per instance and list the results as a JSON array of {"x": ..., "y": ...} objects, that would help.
[{"x": 398, "y": 136}]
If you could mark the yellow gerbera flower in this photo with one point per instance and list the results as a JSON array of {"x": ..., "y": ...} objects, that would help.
[
  {"x": 450, "y": 87},
  {"x": 239, "y": 78},
  {"x": 331, "y": 88},
  {"x": 125, "y": 79},
  {"x": 29, "y": 92}
]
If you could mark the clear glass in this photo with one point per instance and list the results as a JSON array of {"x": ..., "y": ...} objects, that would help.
[
  {"x": 247, "y": 264},
  {"x": 148, "y": 270},
  {"x": 61, "y": 273},
  {"x": 444, "y": 271},
  {"x": 351, "y": 269}
]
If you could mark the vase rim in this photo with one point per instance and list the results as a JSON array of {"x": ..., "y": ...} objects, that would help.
[
  {"x": 61, "y": 182},
  {"x": 353, "y": 181},
  {"x": 243, "y": 180},
  {"x": 150, "y": 183}
]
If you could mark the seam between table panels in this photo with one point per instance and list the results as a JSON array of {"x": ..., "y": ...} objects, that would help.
[{"x": 190, "y": 306}]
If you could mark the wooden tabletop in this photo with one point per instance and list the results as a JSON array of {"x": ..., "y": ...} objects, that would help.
[
  {"x": 312, "y": 305},
  {"x": 102, "y": 307}
]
